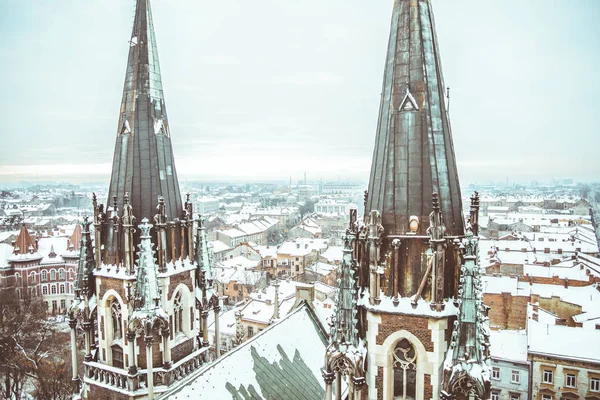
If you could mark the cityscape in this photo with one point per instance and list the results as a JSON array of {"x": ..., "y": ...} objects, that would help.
[{"x": 305, "y": 266}]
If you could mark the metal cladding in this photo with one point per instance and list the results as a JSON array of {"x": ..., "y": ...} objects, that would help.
[
  {"x": 414, "y": 154},
  {"x": 143, "y": 163}
]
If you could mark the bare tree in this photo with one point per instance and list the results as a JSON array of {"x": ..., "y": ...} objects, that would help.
[{"x": 29, "y": 349}]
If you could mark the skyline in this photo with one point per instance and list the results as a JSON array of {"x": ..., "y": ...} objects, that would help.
[{"x": 241, "y": 97}]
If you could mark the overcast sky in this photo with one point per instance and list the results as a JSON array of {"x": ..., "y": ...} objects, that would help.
[{"x": 268, "y": 89}]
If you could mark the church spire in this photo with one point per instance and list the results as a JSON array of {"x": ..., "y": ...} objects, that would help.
[
  {"x": 413, "y": 155},
  {"x": 143, "y": 163}
]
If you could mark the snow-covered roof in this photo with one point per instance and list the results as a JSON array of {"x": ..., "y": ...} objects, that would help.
[
  {"x": 218, "y": 246},
  {"x": 280, "y": 362},
  {"x": 321, "y": 268},
  {"x": 563, "y": 341},
  {"x": 302, "y": 246},
  {"x": 509, "y": 345},
  {"x": 333, "y": 253}
]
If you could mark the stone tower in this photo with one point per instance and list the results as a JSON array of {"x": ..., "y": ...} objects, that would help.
[
  {"x": 144, "y": 284},
  {"x": 409, "y": 249}
]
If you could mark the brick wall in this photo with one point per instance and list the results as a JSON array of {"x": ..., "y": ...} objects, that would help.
[
  {"x": 427, "y": 389},
  {"x": 379, "y": 383},
  {"x": 175, "y": 280},
  {"x": 107, "y": 284},
  {"x": 156, "y": 353},
  {"x": 100, "y": 393},
  {"x": 507, "y": 312},
  {"x": 418, "y": 326},
  {"x": 182, "y": 350},
  {"x": 560, "y": 308}
]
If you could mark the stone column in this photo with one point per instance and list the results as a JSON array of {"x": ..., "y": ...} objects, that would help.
[
  {"x": 166, "y": 332},
  {"x": 205, "y": 328},
  {"x": 328, "y": 377},
  {"x": 132, "y": 368},
  {"x": 75, "y": 379},
  {"x": 338, "y": 386},
  {"x": 149, "y": 370},
  {"x": 358, "y": 384},
  {"x": 217, "y": 333},
  {"x": 87, "y": 327}
]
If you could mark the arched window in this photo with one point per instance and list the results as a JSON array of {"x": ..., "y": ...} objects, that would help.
[
  {"x": 405, "y": 370},
  {"x": 177, "y": 314},
  {"x": 32, "y": 277},
  {"x": 45, "y": 290},
  {"x": 44, "y": 276},
  {"x": 53, "y": 289},
  {"x": 61, "y": 274},
  {"x": 115, "y": 311},
  {"x": 52, "y": 275},
  {"x": 62, "y": 289}
]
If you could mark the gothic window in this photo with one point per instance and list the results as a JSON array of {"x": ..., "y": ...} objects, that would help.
[
  {"x": 178, "y": 313},
  {"x": 115, "y": 311},
  {"x": 61, "y": 274},
  {"x": 405, "y": 370},
  {"x": 117, "y": 356}
]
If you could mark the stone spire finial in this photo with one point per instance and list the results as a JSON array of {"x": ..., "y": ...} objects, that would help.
[{"x": 466, "y": 368}]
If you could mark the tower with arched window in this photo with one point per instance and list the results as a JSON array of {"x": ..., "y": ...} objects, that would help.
[
  {"x": 143, "y": 290},
  {"x": 413, "y": 307}
]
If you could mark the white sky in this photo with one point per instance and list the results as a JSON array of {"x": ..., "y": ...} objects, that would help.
[{"x": 268, "y": 89}]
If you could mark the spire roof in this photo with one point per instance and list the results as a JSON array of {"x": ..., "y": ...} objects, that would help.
[
  {"x": 143, "y": 163},
  {"x": 24, "y": 244},
  {"x": 414, "y": 153},
  {"x": 75, "y": 238},
  {"x": 86, "y": 264}
]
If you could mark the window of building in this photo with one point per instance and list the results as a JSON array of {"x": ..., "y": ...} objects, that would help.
[
  {"x": 44, "y": 276},
  {"x": 250, "y": 331},
  {"x": 117, "y": 356},
  {"x": 54, "y": 306},
  {"x": 177, "y": 313},
  {"x": 514, "y": 377},
  {"x": 405, "y": 370},
  {"x": 495, "y": 395},
  {"x": 548, "y": 376},
  {"x": 571, "y": 381},
  {"x": 62, "y": 289},
  {"x": 61, "y": 274},
  {"x": 495, "y": 373},
  {"x": 32, "y": 277},
  {"x": 63, "y": 304},
  {"x": 53, "y": 290},
  {"x": 115, "y": 313},
  {"x": 515, "y": 396},
  {"x": 235, "y": 286},
  {"x": 52, "y": 275},
  {"x": 595, "y": 384},
  {"x": 546, "y": 397},
  {"x": 44, "y": 290}
]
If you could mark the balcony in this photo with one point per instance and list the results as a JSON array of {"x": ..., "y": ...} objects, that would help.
[{"x": 118, "y": 379}]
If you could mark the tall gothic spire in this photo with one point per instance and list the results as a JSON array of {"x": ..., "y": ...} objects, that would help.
[
  {"x": 143, "y": 163},
  {"x": 414, "y": 154},
  {"x": 345, "y": 356},
  {"x": 466, "y": 369}
]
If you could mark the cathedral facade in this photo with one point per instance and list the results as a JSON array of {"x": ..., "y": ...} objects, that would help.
[
  {"x": 143, "y": 290},
  {"x": 410, "y": 322}
]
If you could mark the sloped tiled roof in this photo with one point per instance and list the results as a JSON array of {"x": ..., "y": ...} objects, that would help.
[{"x": 281, "y": 362}]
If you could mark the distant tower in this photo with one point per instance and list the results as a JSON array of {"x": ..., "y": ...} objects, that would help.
[
  {"x": 144, "y": 284},
  {"x": 408, "y": 247}
]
